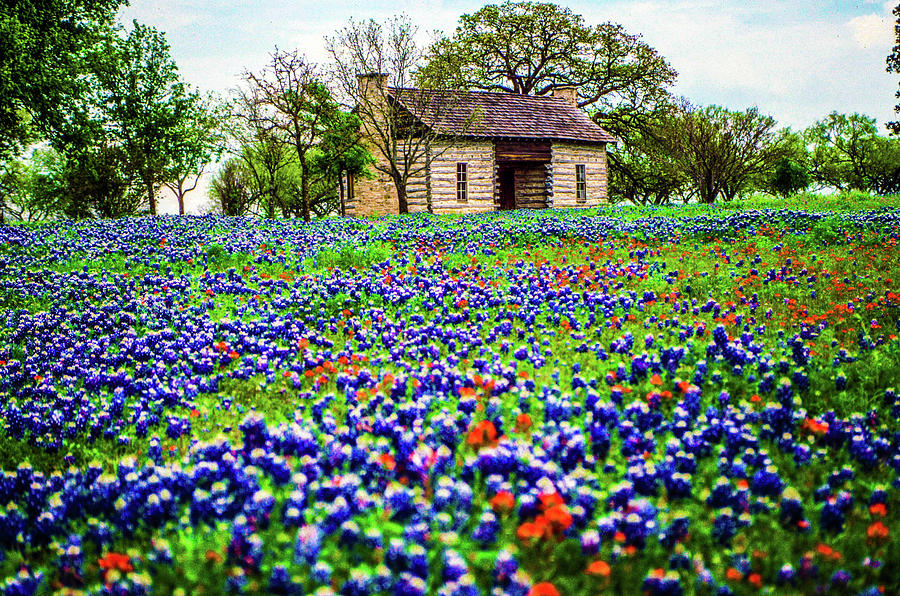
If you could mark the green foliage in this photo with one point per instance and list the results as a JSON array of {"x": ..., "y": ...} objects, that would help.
[
  {"x": 41, "y": 44},
  {"x": 893, "y": 65},
  {"x": 201, "y": 141},
  {"x": 346, "y": 257},
  {"x": 789, "y": 178},
  {"x": 49, "y": 185},
  {"x": 231, "y": 189},
  {"x": 218, "y": 258},
  {"x": 641, "y": 172},
  {"x": 95, "y": 183},
  {"x": 719, "y": 151},
  {"x": 214, "y": 251},
  {"x": 136, "y": 104},
  {"x": 826, "y": 232},
  {"x": 847, "y": 153},
  {"x": 534, "y": 47}
]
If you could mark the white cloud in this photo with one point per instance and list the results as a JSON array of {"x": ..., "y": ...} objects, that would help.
[
  {"x": 872, "y": 31},
  {"x": 795, "y": 59},
  {"x": 796, "y": 63},
  {"x": 176, "y": 14}
]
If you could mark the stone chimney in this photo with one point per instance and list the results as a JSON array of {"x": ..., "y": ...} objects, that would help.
[
  {"x": 372, "y": 83},
  {"x": 567, "y": 93}
]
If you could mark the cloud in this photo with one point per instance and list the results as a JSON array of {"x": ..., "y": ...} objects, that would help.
[
  {"x": 872, "y": 31},
  {"x": 796, "y": 62},
  {"x": 176, "y": 14}
]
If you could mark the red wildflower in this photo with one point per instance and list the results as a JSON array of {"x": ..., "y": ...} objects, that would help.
[
  {"x": 550, "y": 500},
  {"x": 535, "y": 530},
  {"x": 733, "y": 574},
  {"x": 482, "y": 435},
  {"x": 814, "y": 426},
  {"x": 878, "y": 509},
  {"x": 523, "y": 423},
  {"x": 116, "y": 561},
  {"x": 559, "y": 518},
  {"x": 827, "y": 551},
  {"x": 214, "y": 557},
  {"x": 503, "y": 502},
  {"x": 543, "y": 589},
  {"x": 387, "y": 460},
  {"x": 600, "y": 568},
  {"x": 878, "y": 531}
]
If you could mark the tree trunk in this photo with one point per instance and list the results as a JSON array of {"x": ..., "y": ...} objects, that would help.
[
  {"x": 340, "y": 186},
  {"x": 402, "y": 200},
  {"x": 707, "y": 192},
  {"x": 151, "y": 196},
  {"x": 181, "y": 194},
  {"x": 304, "y": 187}
]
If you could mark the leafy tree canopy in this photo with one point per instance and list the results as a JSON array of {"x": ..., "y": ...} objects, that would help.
[
  {"x": 721, "y": 152},
  {"x": 42, "y": 43},
  {"x": 135, "y": 101},
  {"x": 531, "y": 48},
  {"x": 893, "y": 65}
]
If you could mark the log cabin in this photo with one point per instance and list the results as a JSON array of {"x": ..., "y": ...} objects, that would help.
[{"x": 493, "y": 151}]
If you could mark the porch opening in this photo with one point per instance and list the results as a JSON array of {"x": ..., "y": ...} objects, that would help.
[{"x": 522, "y": 168}]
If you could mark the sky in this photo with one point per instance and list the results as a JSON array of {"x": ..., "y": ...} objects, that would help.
[{"x": 794, "y": 60}]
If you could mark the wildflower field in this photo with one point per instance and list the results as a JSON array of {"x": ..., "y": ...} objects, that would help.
[{"x": 697, "y": 400}]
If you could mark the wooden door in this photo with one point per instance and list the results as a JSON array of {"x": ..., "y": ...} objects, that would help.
[{"x": 507, "y": 188}]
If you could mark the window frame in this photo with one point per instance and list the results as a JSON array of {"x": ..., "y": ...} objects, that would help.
[
  {"x": 580, "y": 183},
  {"x": 462, "y": 182}
]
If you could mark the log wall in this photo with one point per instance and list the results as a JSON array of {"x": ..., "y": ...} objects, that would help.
[
  {"x": 531, "y": 186},
  {"x": 565, "y": 157},
  {"x": 479, "y": 157},
  {"x": 378, "y": 196},
  {"x": 537, "y": 185},
  {"x": 373, "y": 197}
]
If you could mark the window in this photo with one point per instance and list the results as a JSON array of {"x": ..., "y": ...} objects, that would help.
[
  {"x": 580, "y": 184},
  {"x": 462, "y": 182}
]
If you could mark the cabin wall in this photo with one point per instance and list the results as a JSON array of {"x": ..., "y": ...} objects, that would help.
[
  {"x": 531, "y": 186},
  {"x": 373, "y": 197},
  {"x": 479, "y": 157},
  {"x": 418, "y": 188},
  {"x": 378, "y": 196},
  {"x": 565, "y": 157},
  {"x": 537, "y": 185}
]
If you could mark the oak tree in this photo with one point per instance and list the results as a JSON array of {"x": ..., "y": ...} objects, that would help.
[
  {"x": 721, "y": 151},
  {"x": 532, "y": 48}
]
